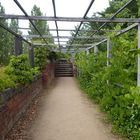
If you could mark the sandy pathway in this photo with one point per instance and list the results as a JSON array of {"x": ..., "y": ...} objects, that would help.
[{"x": 66, "y": 114}]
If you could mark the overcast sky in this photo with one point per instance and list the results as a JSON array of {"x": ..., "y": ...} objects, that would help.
[{"x": 66, "y": 8}]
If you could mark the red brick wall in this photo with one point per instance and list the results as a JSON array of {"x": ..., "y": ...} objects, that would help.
[
  {"x": 15, "y": 102},
  {"x": 48, "y": 74},
  {"x": 14, "y": 108}
]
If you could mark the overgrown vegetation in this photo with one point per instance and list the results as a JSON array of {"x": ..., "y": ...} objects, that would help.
[
  {"x": 5, "y": 81},
  {"x": 16, "y": 69},
  {"x": 40, "y": 52},
  {"x": 6, "y": 39},
  {"x": 114, "y": 87},
  {"x": 17, "y": 72},
  {"x": 40, "y": 57},
  {"x": 19, "y": 69}
]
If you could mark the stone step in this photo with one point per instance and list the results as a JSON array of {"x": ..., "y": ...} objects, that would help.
[
  {"x": 67, "y": 72},
  {"x": 63, "y": 70},
  {"x": 64, "y": 75},
  {"x": 63, "y": 67},
  {"x": 63, "y": 64}
]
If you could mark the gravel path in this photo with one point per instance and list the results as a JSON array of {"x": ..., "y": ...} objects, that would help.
[{"x": 67, "y": 114}]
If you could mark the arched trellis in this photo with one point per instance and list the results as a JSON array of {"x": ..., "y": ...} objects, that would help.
[{"x": 112, "y": 19}]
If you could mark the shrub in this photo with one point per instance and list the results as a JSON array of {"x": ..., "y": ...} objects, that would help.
[
  {"x": 5, "y": 81},
  {"x": 19, "y": 69},
  {"x": 114, "y": 87}
]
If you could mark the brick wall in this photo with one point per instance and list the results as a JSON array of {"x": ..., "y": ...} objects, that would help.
[
  {"x": 48, "y": 74},
  {"x": 14, "y": 106},
  {"x": 14, "y": 102}
]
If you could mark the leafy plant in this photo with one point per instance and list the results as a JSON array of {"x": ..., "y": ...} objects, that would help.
[
  {"x": 5, "y": 81},
  {"x": 40, "y": 57},
  {"x": 114, "y": 87},
  {"x": 19, "y": 69}
]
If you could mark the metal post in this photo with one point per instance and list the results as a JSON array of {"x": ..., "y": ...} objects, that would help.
[
  {"x": 87, "y": 51},
  {"x": 108, "y": 51},
  {"x": 31, "y": 55},
  {"x": 95, "y": 49},
  {"x": 138, "y": 72},
  {"x": 18, "y": 45}
]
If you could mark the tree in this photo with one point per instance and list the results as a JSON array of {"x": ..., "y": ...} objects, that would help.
[
  {"x": 14, "y": 27},
  {"x": 4, "y": 40},
  {"x": 131, "y": 11},
  {"x": 40, "y": 25},
  {"x": 138, "y": 2},
  {"x": 7, "y": 39},
  {"x": 43, "y": 28}
]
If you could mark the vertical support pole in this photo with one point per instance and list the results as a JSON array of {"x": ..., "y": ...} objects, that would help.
[
  {"x": 138, "y": 72},
  {"x": 87, "y": 51},
  {"x": 18, "y": 45},
  {"x": 95, "y": 50},
  {"x": 31, "y": 55},
  {"x": 108, "y": 54},
  {"x": 108, "y": 51}
]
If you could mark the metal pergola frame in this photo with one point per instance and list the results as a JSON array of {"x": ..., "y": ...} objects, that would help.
[
  {"x": 84, "y": 19},
  {"x": 69, "y": 37},
  {"x": 72, "y": 19},
  {"x": 70, "y": 30}
]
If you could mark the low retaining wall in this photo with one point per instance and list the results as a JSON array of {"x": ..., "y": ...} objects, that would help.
[
  {"x": 48, "y": 74},
  {"x": 14, "y": 102}
]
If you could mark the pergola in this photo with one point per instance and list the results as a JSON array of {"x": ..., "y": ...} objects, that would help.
[{"x": 135, "y": 23}]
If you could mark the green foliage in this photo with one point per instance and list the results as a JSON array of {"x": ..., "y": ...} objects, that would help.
[
  {"x": 41, "y": 53},
  {"x": 41, "y": 25},
  {"x": 6, "y": 47},
  {"x": 62, "y": 55},
  {"x": 114, "y": 87},
  {"x": 5, "y": 81},
  {"x": 40, "y": 57},
  {"x": 138, "y": 2},
  {"x": 19, "y": 69},
  {"x": 131, "y": 11}
]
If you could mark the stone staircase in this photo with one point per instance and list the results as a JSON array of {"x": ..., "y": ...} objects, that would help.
[{"x": 63, "y": 69}]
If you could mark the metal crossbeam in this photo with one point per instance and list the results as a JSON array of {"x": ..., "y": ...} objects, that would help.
[
  {"x": 91, "y": 3},
  {"x": 96, "y": 44},
  {"x": 54, "y": 8},
  {"x": 73, "y": 19},
  {"x": 79, "y": 37},
  {"x": 119, "y": 33},
  {"x": 97, "y": 40},
  {"x": 67, "y": 45},
  {"x": 14, "y": 33},
  {"x": 114, "y": 15},
  {"x": 26, "y": 15},
  {"x": 66, "y": 30},
  {"x": 112, "y": 19},
  {"x": 69, "y": 50},
  {"x": 82, "y": 30},
  {"x": 127, "y": 29}
]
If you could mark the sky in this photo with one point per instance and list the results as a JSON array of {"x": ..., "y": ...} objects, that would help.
[{"x": 64, "y": 8}]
